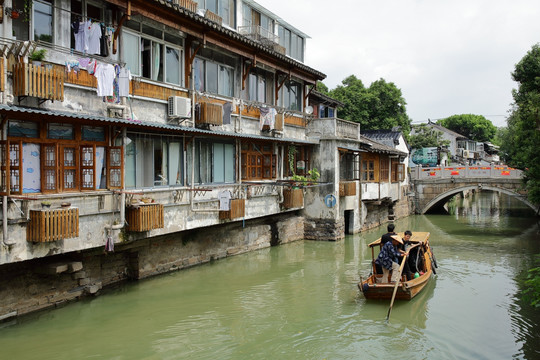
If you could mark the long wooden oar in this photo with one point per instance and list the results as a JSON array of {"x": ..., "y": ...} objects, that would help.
[{"x": 396, "y": 286}]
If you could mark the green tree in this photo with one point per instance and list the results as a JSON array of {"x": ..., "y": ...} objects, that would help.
[
  {"x": 474, "y": 127},
  {"x": 425, "y": 136},
  {"x": 522, "y": 141},
  {"x": 322, "y": 88},
  {"x": 381, "y": 106}
]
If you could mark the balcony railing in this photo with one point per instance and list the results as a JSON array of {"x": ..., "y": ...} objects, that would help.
[
  {"x": 347, "y": 129},
  {"x": 237, "y": 210},
  {"x": 38, "y": 81},
  {"x": 258, "y": 33},
  {"x": 347, "y": 188},
  {"x": 188, "y": 4},
  {"x": 213, "y": 17},
  {"x": 52, "y": 225},
  {"x": 293, "y": 198},
  {"x": 211, "y": 114},
  {"x": 144, "y": 217}
]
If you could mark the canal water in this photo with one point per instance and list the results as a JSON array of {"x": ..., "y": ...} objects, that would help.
[{"x": 301, "y": 301}]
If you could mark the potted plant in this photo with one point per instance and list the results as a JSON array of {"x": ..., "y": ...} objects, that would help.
[
  {"x": 37, "y": 56},
  {"x": 15, "y": 13},
  {"x": 45, "y": 204}
]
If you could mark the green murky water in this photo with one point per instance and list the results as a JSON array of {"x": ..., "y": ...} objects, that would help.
[{"x": 300, "y": 301}]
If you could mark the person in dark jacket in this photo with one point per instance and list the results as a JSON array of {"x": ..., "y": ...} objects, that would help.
[
  {"x": 388, "y": 259},
  {"x": 388, "y": 236}
]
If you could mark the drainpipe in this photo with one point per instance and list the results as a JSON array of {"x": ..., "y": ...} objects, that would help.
[
  {"x": 280, "y": 192},
  {"x": 4, "y": 198}
]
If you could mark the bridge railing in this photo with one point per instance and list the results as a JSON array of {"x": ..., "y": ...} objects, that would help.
[{"x": 447, "y": 172}]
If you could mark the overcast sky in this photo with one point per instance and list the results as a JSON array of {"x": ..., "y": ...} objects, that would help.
[{"x": 447, "y": 56}]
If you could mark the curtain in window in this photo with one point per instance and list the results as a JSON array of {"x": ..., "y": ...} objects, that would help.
[
  {"x": 129, "y": 170},
  {"x": 156, "y": 52},
  {"x": 101, "y": 178},
  {"x": 131, "y": 50},
  {"x": 172, "y": 64},
  {"x": 31, "y": 168},
  {"x": 175, "y": 168}
]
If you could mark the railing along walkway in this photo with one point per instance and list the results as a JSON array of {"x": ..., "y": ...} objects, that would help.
[{"x": 465, "y": 172}]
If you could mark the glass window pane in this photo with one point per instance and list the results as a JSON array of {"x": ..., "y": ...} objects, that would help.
[
  {"x": 219, "y": 164},
  {"x": 211, "y": 77},
  {"x": 130, "y": 48},
  {"x": 261, "y": 89},
  {"x": 60, "y": 131},
  {"x": 93, "y": 133},
  {"x": 225, "y": 81},
  {"x": 175, "y": 168},
  {"x": 23, "y": 129},
  {"x": 129, "y": 170},
  {"x": 229, "y": 163},
  {"x": 252, "y": 86},
  {"x": 43, "y": 21},
  {"x": 172, "y": 63},
  {"x": 198, "y": 73},
  {"x": 157, "y": 61}
]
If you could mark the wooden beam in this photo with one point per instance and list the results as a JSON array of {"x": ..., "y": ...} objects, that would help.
[{"x": 126, "y": 16}]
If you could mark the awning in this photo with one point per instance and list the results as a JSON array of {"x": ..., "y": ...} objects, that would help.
[{"x": 149, "y": 125}]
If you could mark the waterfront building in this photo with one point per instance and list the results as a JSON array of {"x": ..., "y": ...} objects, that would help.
[{"x": 140, "y": 137}]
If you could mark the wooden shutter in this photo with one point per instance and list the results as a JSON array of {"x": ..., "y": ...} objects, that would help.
[
  {"x": 49, "y": 166},
  {"x": 88, "y": 167},
  {"x": 115, "y": 169},
  {"x": 69, "y": 179},
  {"x": 4, "y": 168}
]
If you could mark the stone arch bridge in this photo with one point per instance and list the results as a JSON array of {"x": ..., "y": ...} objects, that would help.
[{"x": 434, "y": 186}]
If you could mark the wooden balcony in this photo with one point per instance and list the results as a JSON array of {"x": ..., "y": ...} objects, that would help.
[
  {"x": 144, "y": 217},
  {"x": 213, "y": 17},
  {"x": 211, "y": 114},
  {"x": 347, "y": 188},
  {"x": 53, "y": 225},
  {"x": 38, "y": 81},
  {"x": 293, "y": 198},
  {"x": 188, "y": 4},
  {"x": 237, "y": 210}
]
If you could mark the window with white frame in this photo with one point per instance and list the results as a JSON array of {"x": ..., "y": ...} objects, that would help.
[
  {"x": 260, "y": 86},
  {"x": 293, "y": 43},
  {"x": 152, "y": 53},
  {"x": 214, "y": 162},
  {"x": 290, "y": 95},
  {"x": 223, "y": 8},
  {"x": 214, "y": 73},
  {"x": 153, "y": 161},
  {"x": 42, "y": 15},
  {"x": 82, "y": 10}
]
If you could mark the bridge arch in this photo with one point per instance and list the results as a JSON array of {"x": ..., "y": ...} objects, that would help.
[{"x": 445, "y": 196}]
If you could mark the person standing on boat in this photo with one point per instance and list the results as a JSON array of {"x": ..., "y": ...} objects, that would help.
[
  {"x": 388, "y": 236},
  {"x": 388, "y": 258},
  {"x": 405, "y": 248}
]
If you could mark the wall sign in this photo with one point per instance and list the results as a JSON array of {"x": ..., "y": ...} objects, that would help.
[{"x": 330, "y": 200}]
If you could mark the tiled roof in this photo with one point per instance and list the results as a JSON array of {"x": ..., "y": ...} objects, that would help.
[
  {"x": 323, "y": 97},
  {"x": 380, "y": 148},
  {"x": 381, "y": 134},
  {"x": 448, "y": 131},
  {"x": 155, "y": 126},
  {"x": 236, "y": 36}
]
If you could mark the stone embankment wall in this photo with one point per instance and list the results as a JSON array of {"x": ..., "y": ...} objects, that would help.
[{"x": 33, "y": 285}]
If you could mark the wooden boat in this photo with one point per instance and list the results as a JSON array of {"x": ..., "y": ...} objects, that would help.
[{"x": 406, "y": 289}]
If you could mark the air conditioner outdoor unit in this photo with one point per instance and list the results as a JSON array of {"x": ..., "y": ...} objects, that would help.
[
  {"x": 465, "y": 153},
  {"x": 179, "y": 107}
]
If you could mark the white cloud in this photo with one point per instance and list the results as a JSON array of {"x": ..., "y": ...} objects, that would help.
[{"x": 448, "y": 57}]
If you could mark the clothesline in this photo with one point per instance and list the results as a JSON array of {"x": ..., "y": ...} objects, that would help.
[{"x": 75, "y": 13}]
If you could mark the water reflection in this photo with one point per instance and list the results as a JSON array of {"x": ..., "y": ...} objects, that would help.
[{"x": 300, "y": 301}]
